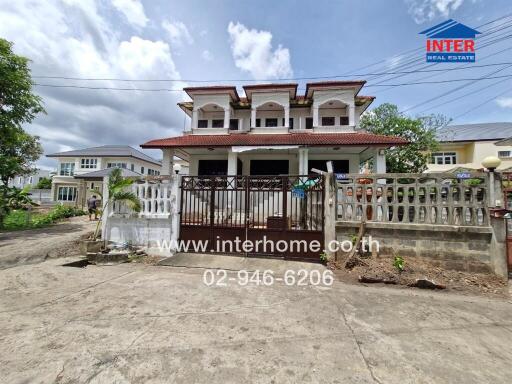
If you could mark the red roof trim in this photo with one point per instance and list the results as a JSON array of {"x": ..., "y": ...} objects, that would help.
[
  {"x": 328, "y": 84},
  {"x": 228, "y": 88},
  {"x": 310, "y": 139},
  {"x": 254, "y": 87}
]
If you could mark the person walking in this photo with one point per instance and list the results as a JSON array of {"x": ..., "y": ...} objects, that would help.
[{"x": 92, "y": 206}]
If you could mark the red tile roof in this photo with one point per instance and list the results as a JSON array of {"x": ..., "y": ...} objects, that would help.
[{"x": 311, "y": 139}]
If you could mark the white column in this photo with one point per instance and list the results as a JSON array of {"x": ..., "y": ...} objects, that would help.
[
  {"x": 303, "y": 161},
  {"x": 175, "y": 209},
  {"x": 227, "y": 116},
  {"x": 168, "y": 161},
  {"x": 380, "y": 161},
  {"x": 287, "y": 117},
  {"x": 107, "y": 209},
  {"x": 352, "y": 115},
  {"x": 232, "y": 162},
  {"x": 194, "y": 119},
  {"x": 253, "y": 117},
  {"x": 315, "y": 116}
]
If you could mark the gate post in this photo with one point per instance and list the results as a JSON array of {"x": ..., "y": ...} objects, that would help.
[{"x": 329, "y": 213}]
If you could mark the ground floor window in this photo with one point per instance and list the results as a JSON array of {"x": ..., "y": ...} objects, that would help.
[
  {"x": 269, "y": 167},
  {"x": 212, "y": 168},
  {"x": 66, "y": 194},
  {"x": 339, "y": 166}
]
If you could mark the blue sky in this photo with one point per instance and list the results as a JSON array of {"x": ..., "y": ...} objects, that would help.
[{"x": 240, "y": 40}]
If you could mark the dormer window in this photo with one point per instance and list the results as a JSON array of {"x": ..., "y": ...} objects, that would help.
[
  {"x": 202, "y": 123},
  {"x": 233, "y": 124},
  {"x": 344, "y": 120},
  {"x": 328, "y": 121},
  {"x": 271, "y": 122},
  {"x": 217, "y": 123}
]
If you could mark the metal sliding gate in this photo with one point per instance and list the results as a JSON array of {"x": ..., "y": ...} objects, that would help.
[{"x": 281, "y": 216}]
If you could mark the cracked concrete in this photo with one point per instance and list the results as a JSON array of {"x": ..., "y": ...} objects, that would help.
[{"x": 135, "y": 323}]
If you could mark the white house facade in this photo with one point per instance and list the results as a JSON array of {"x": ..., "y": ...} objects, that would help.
[{"x": 275, "y": 131}]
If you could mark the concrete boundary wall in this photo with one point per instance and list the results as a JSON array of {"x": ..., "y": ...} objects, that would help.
[
  {"x": 139, "y": 231},
  {"x": 464, "y": 248}
]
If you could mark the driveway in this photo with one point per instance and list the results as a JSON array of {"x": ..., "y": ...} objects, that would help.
[
  {"x": 136, "y": 323},
  {"x": 35, "y": 245}
]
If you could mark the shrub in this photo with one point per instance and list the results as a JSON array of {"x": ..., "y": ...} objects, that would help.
[{"x": 18, "y": 219}]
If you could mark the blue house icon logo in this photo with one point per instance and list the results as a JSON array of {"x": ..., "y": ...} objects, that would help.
[{"x": 450, "y": 42}]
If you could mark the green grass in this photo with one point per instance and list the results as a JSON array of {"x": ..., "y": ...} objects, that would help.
[{"x": 18, "y": 219}]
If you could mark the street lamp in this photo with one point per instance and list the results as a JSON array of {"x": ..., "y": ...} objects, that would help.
[
  {"x": 176, "y": 168},
  {"x": 491, "y": 163}
]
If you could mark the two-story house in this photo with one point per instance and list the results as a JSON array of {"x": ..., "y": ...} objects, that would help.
[
  {"x": 273, "y": 130},
  {"x": 466, "y": 146},
  {"x": 81, "y": 171}
]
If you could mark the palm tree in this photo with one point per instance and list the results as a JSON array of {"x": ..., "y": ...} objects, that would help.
[{"x": 117, "y": 193}]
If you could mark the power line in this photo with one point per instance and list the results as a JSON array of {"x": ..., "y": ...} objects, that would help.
[
  {"x": 463, "y": 96},
  {"x": 180, "y": 90},
  {"x": 482, "y": 104},
  {"x": 108, "y": 88},
  {"x": 297, "y": 78},
  {"x": 472, "y": 81}
]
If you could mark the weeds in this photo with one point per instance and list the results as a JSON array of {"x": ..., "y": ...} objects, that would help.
[{"x": 399, "y": 263}]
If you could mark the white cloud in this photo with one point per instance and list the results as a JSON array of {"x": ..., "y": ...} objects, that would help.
[
  {"x": 133, "y": 10},
  {"x": 177, "y": 32},
  {"x": 81, "y": 42},
  {"x": 207, "y": 55},
  {"x": 427, "y": 10},
  {"x": 252, "y": 51},
  {"x": 504, "y": 102}
]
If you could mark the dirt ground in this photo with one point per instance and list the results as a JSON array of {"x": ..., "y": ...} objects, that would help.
[
  {"x": 381, "y": 268},
  {"x": 35, "y": 245}
]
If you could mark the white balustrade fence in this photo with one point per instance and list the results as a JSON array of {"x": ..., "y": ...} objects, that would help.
[
  {"x": 440, "y": 199},
  {"x": 158, "y": 198}
]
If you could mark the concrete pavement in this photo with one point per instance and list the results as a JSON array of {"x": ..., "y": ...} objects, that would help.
[{"x": 135, "y": 323}]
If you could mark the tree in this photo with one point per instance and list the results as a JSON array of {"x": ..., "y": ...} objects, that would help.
[
  {"x": 44, "y": 183},
  {"x": 420, "y": 132},
  {"x": 117, "y": 185},
  {"x": 18, "y": 106}
]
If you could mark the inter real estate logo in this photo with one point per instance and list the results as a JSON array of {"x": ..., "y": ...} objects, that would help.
[{"x": 450, "y": 42}]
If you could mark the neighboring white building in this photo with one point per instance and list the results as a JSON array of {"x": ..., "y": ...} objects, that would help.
[
  {"x": 31, "y": 180},
  {"x": 275, "y": 131},
  {"x": 77, "y": 170}
]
